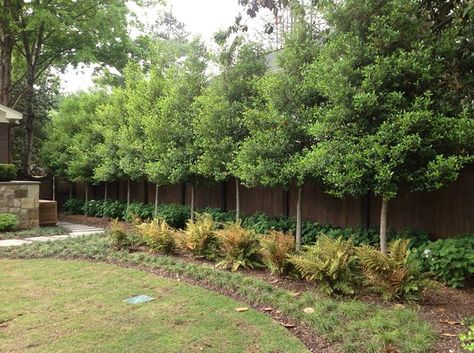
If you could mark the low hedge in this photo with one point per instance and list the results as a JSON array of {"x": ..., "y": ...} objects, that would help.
[
  {"x": 177, "y": 216},
  {"x": 7, "y": 172}
]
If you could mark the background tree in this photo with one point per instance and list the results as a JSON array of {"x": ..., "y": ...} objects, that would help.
[
  {"x": 41, "y": 35},
  {"x": 387, "y": 124},
  {"x": 219, "y": 123}
]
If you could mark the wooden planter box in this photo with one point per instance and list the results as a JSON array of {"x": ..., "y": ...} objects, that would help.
[{"x": 48, "y": 212}]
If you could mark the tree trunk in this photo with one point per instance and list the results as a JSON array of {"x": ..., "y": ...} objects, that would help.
[
  {"x": 128, "y": 193},
  {"x": 87, "y": 192},
  {"x": 298, "y": 218},
  {"x": 6, "y": 50},
  {"x": 237, "y": 200},
  {"x": 383, "y": 226},
  {"x": 156, "y": 200},
  {"x": 54, "y": 188},
  {"x": 29, "y": 118},
  {"x": 106, "y": 190},
  {"x": 192, "y": 203},
  {"x": 70, "y": 191}
]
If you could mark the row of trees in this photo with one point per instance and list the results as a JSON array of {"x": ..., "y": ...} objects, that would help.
[{"x": 379, "y": 97}]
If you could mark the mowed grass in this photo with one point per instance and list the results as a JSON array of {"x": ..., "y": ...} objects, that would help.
[{"x": 73, "y": 306}]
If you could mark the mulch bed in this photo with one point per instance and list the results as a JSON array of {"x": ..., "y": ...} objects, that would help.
[{"x": 444, "y": 308}]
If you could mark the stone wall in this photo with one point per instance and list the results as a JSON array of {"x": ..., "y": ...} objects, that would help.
[{"x": 21, "y": 198}]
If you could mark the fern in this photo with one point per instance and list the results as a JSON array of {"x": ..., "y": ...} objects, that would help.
[
  {"x": 395, "y": 275},
  {"x": 159, "y": 236},
  {"x": 276, "y": 247},
  {"x": 330, "y": 263},
  {"x": 200, "y": 237},
  {"x": 240, "y": 248}
]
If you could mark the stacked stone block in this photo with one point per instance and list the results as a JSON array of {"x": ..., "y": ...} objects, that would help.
[{"x": 21, "y": 198}]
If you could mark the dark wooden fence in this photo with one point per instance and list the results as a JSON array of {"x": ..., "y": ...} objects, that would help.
[{"x": 442, "y": 213}]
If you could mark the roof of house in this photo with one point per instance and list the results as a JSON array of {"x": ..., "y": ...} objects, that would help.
[{"x": 8, "y": 115}]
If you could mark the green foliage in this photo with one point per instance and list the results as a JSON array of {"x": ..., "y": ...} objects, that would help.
[
  {"x": 219, "y": 124},
  {"x": 276, "y": 248},
  {"x": 71, "y": 136},
  {"x": 119, "y": 235},
  {"x": 8, "y": 222},
  {"x": 330, "y": 263},
  {"x": 113, "y": 209},
  {"x": 93, "y": 208},
  {"x": 395, "y": 275},
  {"x": 240, "y": 247},
  {"x": 7, "y": 172},
  {"x": 159, "y": 236},
  {"x": 449, "y": 260},
  {"x": 168, "y": 132},
  {"x": 143, "y": 211},
  {"x": 220, "y": 217},
  {"x": 74, "y": 206},
  {"x": 467, "y": 338},
  {"x": 175, "y": 215},
  {"x": 34, "y": 232},
  {"x": 200, "y": 237}
]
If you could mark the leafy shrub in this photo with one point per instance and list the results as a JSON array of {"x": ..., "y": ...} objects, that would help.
[
  {"x": 175, "y": 215},
  {"x": 220, "y": 217},
  {"x": 113, "y": 209},
  {"x": 330, "y": 263},
  {"x": 8, "y": 222},
  {"x": 260, "y": 223},
  {"x": 200, "y": 237},
  {"x": 449, "y": 260},
  {"x": 276, "y": 247},
  {"x": 73, "y": 206},
  {"x": 395, "y": 275},
  {"x": 158, "y": 236},
  {"x": 7, "y": 172},
  {"x": 119, "y": 236},
  {"x": 94, "y": 208},
  {"x": 239, "y": 246},
  {"x": 143, "y": 211}
]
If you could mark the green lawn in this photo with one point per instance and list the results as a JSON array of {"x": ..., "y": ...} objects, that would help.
[{"x": 73, "y": 306}]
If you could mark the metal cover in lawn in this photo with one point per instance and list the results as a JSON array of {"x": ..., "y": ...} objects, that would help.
[{"x": 139, "y": 299}]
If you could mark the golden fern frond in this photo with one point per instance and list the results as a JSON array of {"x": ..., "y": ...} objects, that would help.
[
  {"x": 397, "y": 249},
  {"x": 372, "y": 259}
]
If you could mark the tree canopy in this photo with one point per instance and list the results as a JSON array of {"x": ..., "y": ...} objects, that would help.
[{"x": 376, "y": 99}]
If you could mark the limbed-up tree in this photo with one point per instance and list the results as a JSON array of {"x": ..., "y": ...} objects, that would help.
[
  {"x": 169, "y": 131},
  {"x": 109, "y": 120},
  {"x": 219, "y": 123},
  {"x": 387, "y": 123},
  {"x": 136, "y": 104},
  {"x": 278, "y": 122},
  {"x": 70, "y": 136}
]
